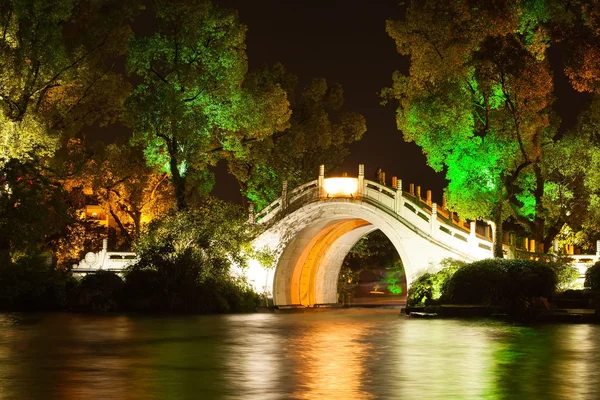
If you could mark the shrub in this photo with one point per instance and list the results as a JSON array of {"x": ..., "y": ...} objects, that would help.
[
  {"x": 142, "y": 290},
  {"x": 189, "y": 254},
  {"x": 32, "y": 284},
  {"x": 100, "y": 291},
  {"x": 502, "y": 283},
  {"x": 429, "y": 287},
  {"x": 566, "y": 275},
  {"x": 592, "y": 277}
]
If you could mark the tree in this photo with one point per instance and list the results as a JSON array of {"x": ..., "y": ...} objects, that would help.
[
  {"x": 128, "y": 189},
  {"x": 56, "y": 71},
  {"x": 478, "y": 100},
  {"x": 573, "y": 193},
  {"x": 33, "y": 209},
  {"x": 319, "y": 133},
  {"x": 192, "y": 105}
]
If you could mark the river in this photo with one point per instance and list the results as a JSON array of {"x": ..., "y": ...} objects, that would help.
[{"x": 344, "y": 354}]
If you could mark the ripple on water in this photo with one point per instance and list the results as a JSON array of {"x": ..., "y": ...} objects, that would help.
[{"x": 344, "y": 354}]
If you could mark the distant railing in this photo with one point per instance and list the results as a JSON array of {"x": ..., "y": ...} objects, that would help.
[{"x": 105, "y": 260}]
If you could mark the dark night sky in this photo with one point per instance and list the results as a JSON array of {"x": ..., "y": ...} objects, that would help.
[{"x": 345, "y": 41}]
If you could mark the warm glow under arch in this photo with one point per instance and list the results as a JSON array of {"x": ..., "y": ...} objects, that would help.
[
  {"x": 312, "y": 228},
  {"x": 313, "y": 241}
]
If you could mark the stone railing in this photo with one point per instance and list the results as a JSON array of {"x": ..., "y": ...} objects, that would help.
[
  {"x": 104, "y": 260},
  {"x": 418, "y": 214}
]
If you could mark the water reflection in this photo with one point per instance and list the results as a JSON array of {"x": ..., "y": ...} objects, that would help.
[
  {"x": 331, "y": 356},
  {"x": 352, "y": 354}
]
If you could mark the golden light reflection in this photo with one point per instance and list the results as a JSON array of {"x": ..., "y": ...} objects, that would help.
[
  {"x": 250, "y": 369},
  {"x": 332, "y": 358},
  {"x": 578, "y": 365},
  {"x": 340, "y": 187}
]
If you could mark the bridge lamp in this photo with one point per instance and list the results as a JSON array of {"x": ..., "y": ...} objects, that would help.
[{"x": 340, "y": 187}]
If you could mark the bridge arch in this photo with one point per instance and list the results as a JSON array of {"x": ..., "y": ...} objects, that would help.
[{"x": 313, "y": 227}]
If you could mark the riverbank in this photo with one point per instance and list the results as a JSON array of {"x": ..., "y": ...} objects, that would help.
[{"x": 563, "y": 315}]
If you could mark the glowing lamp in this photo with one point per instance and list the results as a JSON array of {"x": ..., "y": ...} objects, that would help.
[{"x": 340, "y": 187}]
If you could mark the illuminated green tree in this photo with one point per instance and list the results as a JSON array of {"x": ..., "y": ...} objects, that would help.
[
  {"x": 319, "y": 133},
  {"x": 56, "y": 71},
  {"x": 478, "y": 101},
  {"x": 193, "y": 106},
  {"x": 573, "y": 194}
]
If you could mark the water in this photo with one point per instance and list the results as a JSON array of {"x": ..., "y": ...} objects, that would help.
[{"x": 346, "y": 354}]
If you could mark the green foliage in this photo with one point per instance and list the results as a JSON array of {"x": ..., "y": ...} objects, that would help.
[
  {"x": 373, "y": 251},
  {"x": 566, "y": 275},
  {"x": 319, "y": 133},
  {"x": 34, "y": 210},
  {"x": 429, "y": 287},
  {"x": 501, "y": 283},
  {"x": 394, "y": 276},
  {"x": 478, "y": 101},
  {"x": 190, "y": 254},
  {"x": 592, "y": 277},
  {"x": 56, "y": 73},
  {"x": 100, "y": 291},
  {"x": 193, "y": 106}
]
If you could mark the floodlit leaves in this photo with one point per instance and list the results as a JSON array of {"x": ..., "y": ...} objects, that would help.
[
  {"x": 478, "y": 101},
  {"x": 193, "y": 107},
  {"x": 318, "y": 133},
  {"x": 56, "y": 71}
]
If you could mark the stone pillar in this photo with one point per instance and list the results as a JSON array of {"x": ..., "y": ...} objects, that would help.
[
  {"x": 473, "y": 236},
  {"x": 433, "y": 222},
  {"x": 428, "y": 197},
  {"x": 399, "y": 204},
  {"x": 361, "y": 180},
  {"x": 322, "y": 193},
  {"x": 444, "y": 205},
  {"x": 395, "y": 182},
  {"x": 284, "y": 196},
  {"x": 251, "y": 213},
  {"x": 418, "y": 194},
  {"x": 411, "y": 189},
  {"x": 532, "y": 246},
  {"x": 383, "y": 178},
  {"x": 104, "y": 244}
]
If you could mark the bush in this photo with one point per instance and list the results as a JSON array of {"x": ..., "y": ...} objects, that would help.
[
  {"x": 592, "y": 277},
  {"x": 142, "y": 290},
  {"x": 185, "y": 260},
  {"x": 100, "y": 291},
  {"x": 429, "y": 287},
  {"x": 566, "y": 275},
  {"x": 501, "y": 283},
  {"x": 32, "y": 284}
]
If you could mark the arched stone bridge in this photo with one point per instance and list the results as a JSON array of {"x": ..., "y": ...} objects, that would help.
[{"x": 313, "y": 227}]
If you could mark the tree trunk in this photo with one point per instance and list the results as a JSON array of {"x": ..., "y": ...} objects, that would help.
[
  {"x": 498, "y": 233},
  {"x": 176, "y": 178}
]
